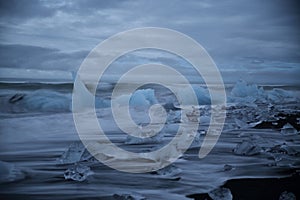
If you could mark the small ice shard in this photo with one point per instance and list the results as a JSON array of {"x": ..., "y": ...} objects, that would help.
[
  {"x": 288, "y": 129},
  {"x": 197, "y": 138},
  {"x": 169, "y": 172},
  {"x": 220, "y": 194},
  {"x": 16, "y": 97},
  {"x": 202, "y": 132},
  {"x": 146, "y": 140},
  {"x": 240, "y": 123},
  {"x": 283, "y": 149},
  {"x": 149, "y": 140},
  {"x": 10, "y": 173},
  {"x": 298, "y": 120},
  {"x": 77, "y": 172},
  {"x": 247, "y": 148},
  {"x": 194, "y": 115},
  {"x": 287, "y": 196},
  {"x": 131, "y": 196},
  {"x": 228, "y": 167},
  {"x": 75, "y": 153},
  {"x": 258, "y": 140}
]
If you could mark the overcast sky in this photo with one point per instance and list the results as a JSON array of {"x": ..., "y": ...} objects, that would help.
[{"x": 59, "y": 34}]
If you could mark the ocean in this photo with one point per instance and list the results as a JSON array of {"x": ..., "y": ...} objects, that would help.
[{"x": 43, "y": 156}]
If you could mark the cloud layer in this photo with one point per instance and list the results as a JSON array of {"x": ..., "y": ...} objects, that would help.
[{"x": 59, "y": 34}]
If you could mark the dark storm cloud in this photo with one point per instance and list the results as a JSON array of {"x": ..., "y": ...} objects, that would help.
[
  {"x": 25, "y": 9},
  {"x": 33, "y": 57},
  {"x": 229, "y": 30},
  {"x": 14, "y": 10},
  {"x": 88, "y": 7}
]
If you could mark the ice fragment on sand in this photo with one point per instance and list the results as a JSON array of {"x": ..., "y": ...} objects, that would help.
[
  {"x": 193, "y": 116},
  {"x": 75, "y": 153},
  {"x": 220, "y": 194},
  {"x": 240, "y": 123},
  {"x": 283, "y": 149},
  {"x": 247, "y": 148},
  {"x": 288, "y": 129},
  {"x": 132, "y": 196},
  {"x": 147, "y": 140},
  {"x": 169, "y": 172},
  {"x": 77, "y": 172},
  {"x": 287, "y": 196},
  {"x": 150, "y": 140},
  {"x": 228, "y": 167},
  {"x": 10, "y": 173}
]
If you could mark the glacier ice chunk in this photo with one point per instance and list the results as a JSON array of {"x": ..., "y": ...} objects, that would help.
[
  {"x": 243, "y": 89},
  {"x": 243, "y": 92},
  {"x": 129, "y": 196},
  {"x": 241, "y": 123},
  {"x": 169, "y": 172},
  {"x": 45, "y": 101},
  {"x": 282, "y": 149},
  {"x": 288, "y": 129},
  {"x": 247, "y": 148},
  {"x": 76, "y": 152},
  {"x": 143, "y": 98},
  {"x": 78, "y": 172},
  {"x": 202, "y": 95},
  {"x": 193, "y": 116},
  {"x": 220, "y": 194},
  {"x": 278, "y": 95},
  {"x": 148, "y": 140}
]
